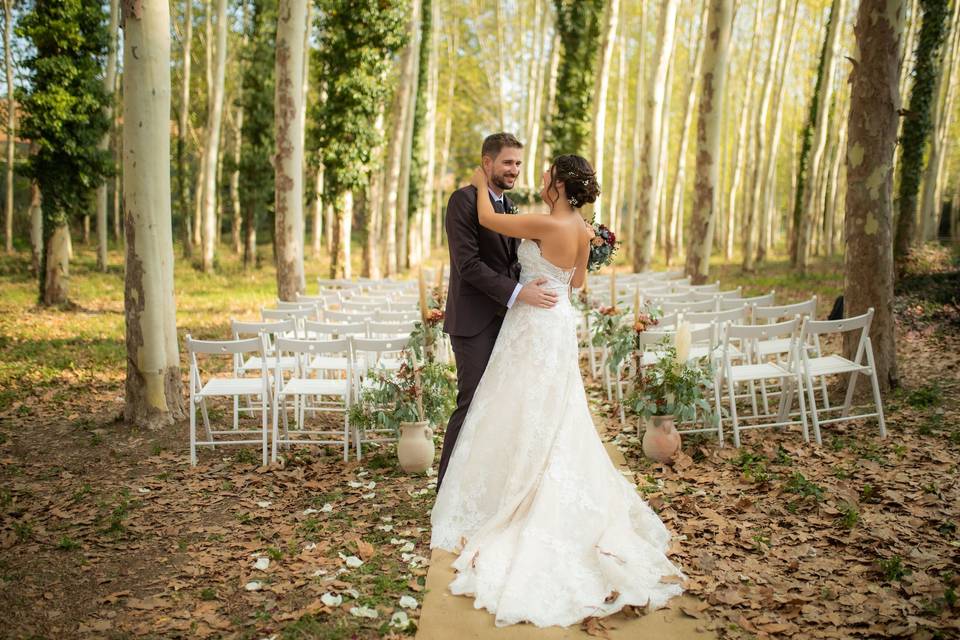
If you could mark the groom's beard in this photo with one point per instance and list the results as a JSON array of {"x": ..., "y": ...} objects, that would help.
[{"x": 504, "y": 182}]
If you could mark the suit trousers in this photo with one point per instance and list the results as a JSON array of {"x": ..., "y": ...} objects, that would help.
[{"x": 472, "y": 355}]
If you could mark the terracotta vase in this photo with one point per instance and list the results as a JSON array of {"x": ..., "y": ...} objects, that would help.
[
  {"x": 661, "y": 440},
  {"x": 415, "y": 448}
]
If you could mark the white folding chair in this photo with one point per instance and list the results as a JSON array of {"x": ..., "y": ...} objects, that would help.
[
  {"x": 835, "y": 364},
  {"x": 329, "y": 394},
  {"x": 332, "y": 331},
  {"x": 370, "y": 356},
  {"x": 233, "y": 385},
  {"x": 725, "y": 304},
  {"x": 396, "y": 316},
  {"x": 688, "y": 306},
  {"x": 298, "y": 315},
  {"x": 389, "y": 329},
  {"x": 270, "y": 330},
  {"x": 348, "y": 317},
  {"x": 787, "y": 374}
]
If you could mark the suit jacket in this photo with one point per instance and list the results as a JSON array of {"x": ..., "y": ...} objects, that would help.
[{"x": 484, "y": 269}]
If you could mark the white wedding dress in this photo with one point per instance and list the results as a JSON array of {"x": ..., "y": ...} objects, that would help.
[{"x": 551, "y": 531}]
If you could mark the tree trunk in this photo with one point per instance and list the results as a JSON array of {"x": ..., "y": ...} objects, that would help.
[
  {"x": 236, "y": 228},
  {"x": 709, "y": 123},
  {"x": 403, "y": 205},
  {"x": 651, "y": 170},
  {"x": 396, "y": 146},
  {"x": 616, "y": 178},
  {"x": 872, "y": 136},
  {"x": 830, "y": 210},
  {"x": 638, "y": 130},
  {"x": 57, "y": 260},
  {"x": 770, "y": 181},
  {"x": 183, "y": 184},
  {"x": 675, "y": 221},
  {"x": 755, "y": 203},
  {"x": 917, "y": 125},
  {"x": 109, "y": 81},
  {"x": 36, "y": 227},
  {"x": 545, "y": 149},
  {"x": 288, "y": 164},
  {"x": 153, "y": 392},
  {"x": 942, "y": 112},
  {"x": 11, "y": 121},
  {"x": 805, "y": 215},
  {"x": 741, "y": 141},
  {"x": 318, "y": 200},
  {"x": 659, "y": 221},
  {"x": 601, "y": 82},
  {"x": 211, "y": 157},
  {"x": 429, "y": 139},
  {"x": 538, "y": 64}
]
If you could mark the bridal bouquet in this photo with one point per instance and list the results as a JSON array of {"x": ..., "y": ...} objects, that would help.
[{"x": 602, "y": 247}]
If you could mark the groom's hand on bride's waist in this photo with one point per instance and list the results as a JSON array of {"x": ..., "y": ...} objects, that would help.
[{"x": 535, "y": 295}]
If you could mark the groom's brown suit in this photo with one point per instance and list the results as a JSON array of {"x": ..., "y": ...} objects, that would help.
[{"x": 483, "y": 276}]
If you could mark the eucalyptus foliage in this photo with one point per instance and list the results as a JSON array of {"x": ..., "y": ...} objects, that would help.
[{"x": 669, "y": 388}]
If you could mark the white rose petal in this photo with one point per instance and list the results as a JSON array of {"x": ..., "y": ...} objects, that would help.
[
  {"x": 332, "y": 599},
  {"x": 326, "y": 508},
  {"x": 387, "y": 518},
  {"x": 368, "y": 496},
  {"x": 261, "y": 564},
  {"x": 408, "y": 602},
  {"x": 143, "y": 490},
  {"x": 309, "y": 512},
  {"x": 263, "y": 504},
  {"x": 319, "y": 572},
  {"x": 408, "y": 547},
  {"x": 253, "y": 586},
  {"x": 397, "y": 541},
  {"x": 353, "y": 593},
  {"x": 385, "y": 527},
  {"x": 363, "y": 612},
  {"x": 371, "y": 484},
  {"x": 353, "y": 484},
  {"x": 351, "y": 561},
  {"x": 400, "y": 620}
]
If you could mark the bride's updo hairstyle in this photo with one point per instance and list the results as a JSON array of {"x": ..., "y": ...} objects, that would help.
[{"x": 578, "y": 178}]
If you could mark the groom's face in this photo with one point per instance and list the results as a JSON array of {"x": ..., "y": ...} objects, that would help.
[{"x": 504, "y": 168}]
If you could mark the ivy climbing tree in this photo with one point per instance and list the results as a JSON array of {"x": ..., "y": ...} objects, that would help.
[
  {"x": 64, "y": 116},
  {"x": 358, "y": 39},
  {"x": 578, "y": 23},
  {"x": 917, "y": 124}
]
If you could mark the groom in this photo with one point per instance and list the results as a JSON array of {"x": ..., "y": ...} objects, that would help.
[{"x": 484, "y": 275}]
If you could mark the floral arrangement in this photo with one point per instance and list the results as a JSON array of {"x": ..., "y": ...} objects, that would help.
[
  {"x": 416, "y": 392},
  {"x": 674, "y": 386},
  {"x": 612, "y": 330},
  {"x": 602, "y": 247}
]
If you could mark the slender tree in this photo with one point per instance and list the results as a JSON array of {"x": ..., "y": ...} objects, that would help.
[
  {"x": 11, "y": 120},
  {"x": 918, "y": 123},
  {"x": 708, "y": 140},
  {"x": 424, "y": 126},
  {"x": 872, "y": 131},
  {"x": 611, "y": 15},
  {"x": 211, "y": 149},
  {"x": 183, "y": 123},
  {"x": 651, "y": 168},
  {"x": 64, "y": 117},
  {"x": 638, "y": 129},
  {"x": 288, "y": 162},
  {"x": 578, "y": 25},
  {"x": 614, "y": 200},
  {"x": 109, "y": 82},
  {"x": 153, "y": 392}
]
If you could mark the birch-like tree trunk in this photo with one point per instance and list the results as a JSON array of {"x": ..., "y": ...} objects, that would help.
[
  {"x": 402, "y": 106},
  {"x": 406, "y": 166},
  {"x": 424, "y": 217},
  {"x": 932, "y": 194},
  {"x": 810, "y": 205},
  {"x": 616, "y": 176},
  {"x": 651, "y": 168},
  {"x": 36, "y": 226},
  {"x": 109, "y": 82},
  {"x": 755, "y": 203},
  {"x": 830, "y": 211},
  {"x": 535, "y": 92},
  {"x": 153, "y": 391},
  {"x": 11, "y": 121},
  {"x": 183, "y": 123},
  {"x": 675, "y": 220},
  {"x": 288, "y": 163},
  {"x": 447, "y": 136},
  {"x": 871, "y": 138},
  {"x": 546, "y": 152},
  {"x": 236, "y": 228},
  {"x": 638, "y": 132},
  {"x": 601, "y": 82},
  {"x": 374, "y": 205},
  {"x": 706, "y": 183},
  {"x": 770, "y": 170},
  {"x": 317, "y": 231},
  {"x": 743, "y": 136},
  {"x": 212, "y": 147}
]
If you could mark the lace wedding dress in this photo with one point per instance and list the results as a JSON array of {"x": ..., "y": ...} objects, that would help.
[{"x": 551, "y": 531}]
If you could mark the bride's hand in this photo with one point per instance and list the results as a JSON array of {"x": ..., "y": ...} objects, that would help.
[{"x": 479, "y": 179}]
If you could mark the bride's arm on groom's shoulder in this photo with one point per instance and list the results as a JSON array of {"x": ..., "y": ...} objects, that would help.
[
  {"x": 533, "y": 227},
  {"x": 465, "y": 251},
  {"x": 583, "y": 255}
]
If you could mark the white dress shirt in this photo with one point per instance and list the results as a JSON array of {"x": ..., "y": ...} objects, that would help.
[{"x": 516, "y": 290}]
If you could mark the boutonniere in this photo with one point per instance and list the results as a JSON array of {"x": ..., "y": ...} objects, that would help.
[{"x": 513, "y": 210}]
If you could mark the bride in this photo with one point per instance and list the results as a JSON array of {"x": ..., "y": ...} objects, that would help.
[{"x": 547, "y": 529}]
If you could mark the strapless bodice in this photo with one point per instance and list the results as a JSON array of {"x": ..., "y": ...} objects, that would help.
[{"x": 533, "y": 266}]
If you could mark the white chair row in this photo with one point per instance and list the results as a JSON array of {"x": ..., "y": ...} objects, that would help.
[{"x": 316, "y": 376}]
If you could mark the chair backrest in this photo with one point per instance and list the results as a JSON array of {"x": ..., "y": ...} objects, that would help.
[
  {"x": 688, "y": 306},
  {"x": 365, "y": 304},
  {"x": 245, "y": 328},
  {"x": 813, "y": 329},
  {"x": 737, "y": 315},
  {"x": 325, "y": 299},
  {"x": 730, "y": 303},
  {"x": 333, "y": 330},
  {"x": 805, "y": 309},
  {"x": 389, "y": 329},
  {"x": 347, "y": 316},
  {"x": 303, "y": 349},
  {"x": 371, "y": 350},
  {"x": 397, "y": 316},
  {"x": 299, "y": 304},
  {"x": 705, "y": 288},
  {"x": 283, "y": 314},
  {"x": 761, "y": 331}
]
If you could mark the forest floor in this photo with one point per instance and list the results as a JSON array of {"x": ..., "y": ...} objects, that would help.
[{"x": 106, "y": 531}]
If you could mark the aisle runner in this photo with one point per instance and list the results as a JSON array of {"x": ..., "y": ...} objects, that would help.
[{"x": 449, "y": 617}]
